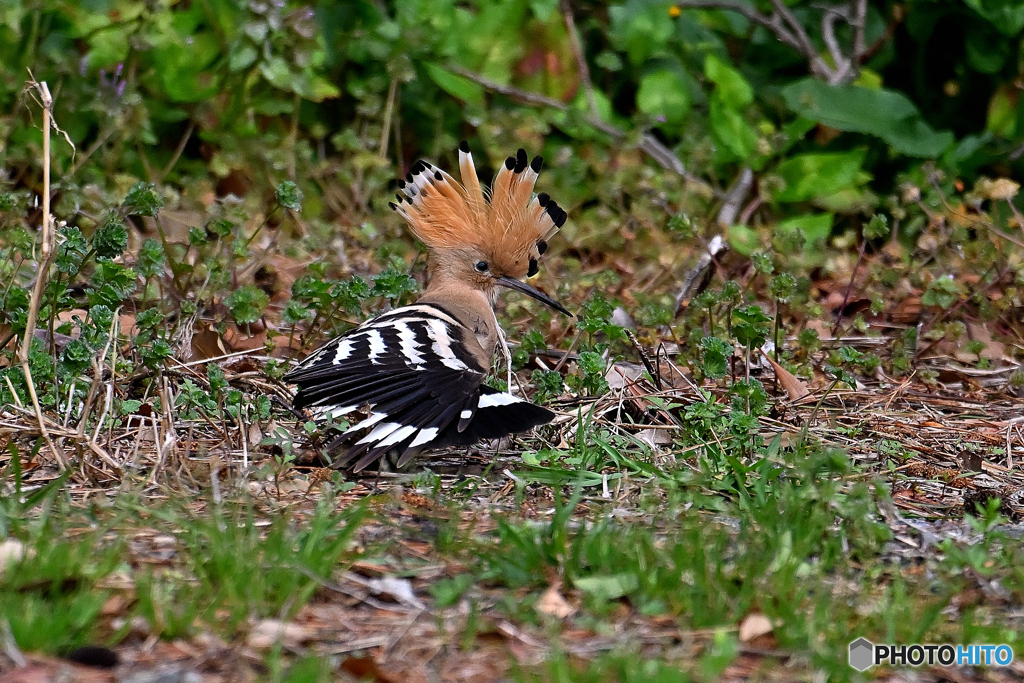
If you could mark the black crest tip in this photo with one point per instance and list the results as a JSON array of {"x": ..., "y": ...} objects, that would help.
[
  {"x": 537, "y": 163},
  {"x": 438, "y": 176},
  {"x": 394, "y": 207},
  {"x": 534, "y": 268},
  {"x": 521, "y": 161},
  {"x": 510, "y": 163},
  {"x": 408, "y": 177},
  {"x": 562, "y": 216},
  {"x": 464, "y": 147},
  {"x": 401, "y": 184},
  {"x": 399, "y": 198},
  {"x": 543, "y": 198},
  {"x": 542, "y": 246}
]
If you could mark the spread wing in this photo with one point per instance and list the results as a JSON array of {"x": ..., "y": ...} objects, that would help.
[{"x": 416, "y": 371}]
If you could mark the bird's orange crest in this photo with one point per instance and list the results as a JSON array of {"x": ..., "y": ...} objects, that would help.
[{"x": 509, "y": 222}]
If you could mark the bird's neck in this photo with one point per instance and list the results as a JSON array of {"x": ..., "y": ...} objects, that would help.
[{"x": 469, "y": 305}]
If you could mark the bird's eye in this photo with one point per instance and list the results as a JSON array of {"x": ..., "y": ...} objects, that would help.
[{"x": 481, "y": 266}]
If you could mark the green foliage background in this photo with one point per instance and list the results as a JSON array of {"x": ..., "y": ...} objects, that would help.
[
  {"x": 238, "y": 119},
  {"x": 285, "y": 90}
]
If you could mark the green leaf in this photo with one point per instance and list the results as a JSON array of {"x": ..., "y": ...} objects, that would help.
[
  {"x": 1002, "y": 113},
  {"x": 813, "y": 226},
  {"x": 663, "y": 94},
  {"x": 289, "y": 195},
  {"x": 111, "y": 238},
  {"x": 143, "y": 200},
  {"x": 604, "y": 588},
  {"x": 71, "y": 250},
  {"x": 242, "y": 58},
  {"x": 742, "y": 239},
  {"x": 151, "y": 258},
  {"x": 247, "y": 304},
  {"x": 186, "y": 72},
  {"x": 809, "y": 176},
  {"x": 108, "y": 46},
  {"x": 456, "y": 86},
  {"x": 887, "y": 114},
  {"x": 640, "y": 29},
  {"x": 314, "y": 87},
  {"x": 986, "y": 50},
  {"x": 731, "y": 132},
  {"x": 733, "y": 89},
  {"x": 715, "y": 355},
  {"x": 1005, "y": 15}
]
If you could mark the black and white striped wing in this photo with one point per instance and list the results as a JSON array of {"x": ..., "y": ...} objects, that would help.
[{"x": 413, "y": 368}]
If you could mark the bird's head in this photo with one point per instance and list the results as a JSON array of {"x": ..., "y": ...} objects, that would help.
[{"x": 479, "y": 242}]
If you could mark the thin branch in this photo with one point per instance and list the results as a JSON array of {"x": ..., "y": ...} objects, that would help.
[
  {"x": 747, "y": 11},
  {"x": 849, "y": 288},
  {"x": 648, "y": 143},
  {"x": 382, "y": 148},
  {"x": 795, "y": 27},
  {"x": 735, "y": 196},
  {"x": 177, "y": 151},
  {"x": 859, "y": 24},
  {"x": 828, "y": 35},
  {"x": 788, "y": 29},
  {"x": 46, "y": 257},
  {"x": 581, "y": 60}
]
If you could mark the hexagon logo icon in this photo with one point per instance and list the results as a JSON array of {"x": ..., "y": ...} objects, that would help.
[{"x": 862, "y": 654}]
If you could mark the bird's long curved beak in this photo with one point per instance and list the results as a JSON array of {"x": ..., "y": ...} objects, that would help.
[{"x": 520, "y": 286}]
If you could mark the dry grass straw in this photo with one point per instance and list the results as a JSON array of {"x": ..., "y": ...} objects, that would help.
[{"x": 47, "y": 252}]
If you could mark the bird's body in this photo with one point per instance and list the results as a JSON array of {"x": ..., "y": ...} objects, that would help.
[{"x": 419, "y": 369}]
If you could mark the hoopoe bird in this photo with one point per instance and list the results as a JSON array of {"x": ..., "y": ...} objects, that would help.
[{"x": 419, "y": 370}]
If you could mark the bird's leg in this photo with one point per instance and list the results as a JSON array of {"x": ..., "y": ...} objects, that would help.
[{"x": 504, "y": 351}]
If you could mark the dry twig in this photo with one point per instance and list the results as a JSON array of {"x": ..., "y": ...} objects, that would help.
[{"x": 47, "y": 253}]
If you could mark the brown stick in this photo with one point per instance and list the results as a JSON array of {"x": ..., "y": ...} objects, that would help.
[
  {"x": 46, "y": 256},
  {"x": 581, "y": 60}
]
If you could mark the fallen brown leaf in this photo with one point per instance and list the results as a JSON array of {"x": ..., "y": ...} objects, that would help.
[
  {"x": 794, "y": 386},
  {"x": 753, "y": 625},
  {"x": 553, "y": 604}
]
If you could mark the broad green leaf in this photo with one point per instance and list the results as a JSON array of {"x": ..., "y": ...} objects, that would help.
[
  {"x": 732, "y": 88},
  {"x": 986, "y": 50},
  {"x": 887, "y": 114},
  {"x": 456, "y": 86},
  {"x": 314, "y": 87},
  {"x": 608, "y": 587},
  {"x": 849, "y": 200},
  {"x": 604, "y": 105},
  {"x": 813, "y": 226},
  {"x": 1002, "y": 113},
  {"x": 242, "y": 58},
  {"x": 663, "y": 93},
  {"x": 813, "y": 175},
  {"x": 640, "y": 29},
  {"x": 730, "y": 130},
  {"x": 542, "y": 9},
  {"x": 1005, "y": 15},
  {"x": 742, "y": 239},
  {"x": 108, "y": 47},
  {"x": 183, "y": 68}
]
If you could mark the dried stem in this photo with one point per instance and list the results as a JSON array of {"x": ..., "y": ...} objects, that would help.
[
  {"x": 788, "y": 29},
  {"x": 581, "y": 60},
  {"x": 45, "y": 257},
  {"x": 389, "y": 110}
]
